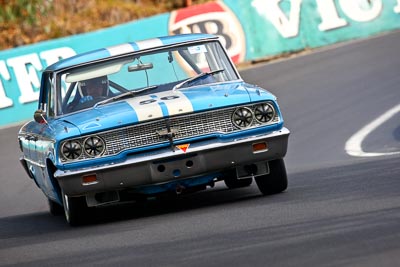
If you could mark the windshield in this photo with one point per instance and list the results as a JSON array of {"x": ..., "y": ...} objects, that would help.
[{"x": 176, "y": 68}]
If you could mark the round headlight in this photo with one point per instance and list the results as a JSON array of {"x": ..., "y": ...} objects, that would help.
[
  {"x": 71, "y": 149},
  {"x": 242, "y": 117},
  {"x": 94, "y": 146},
  {"x": 264, "y": 112}
]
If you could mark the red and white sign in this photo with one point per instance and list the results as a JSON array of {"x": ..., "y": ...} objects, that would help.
[{"x": 212, "y": 18}]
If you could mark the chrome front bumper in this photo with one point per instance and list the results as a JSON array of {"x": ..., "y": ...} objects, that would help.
[{"x": 164, "y": 166}]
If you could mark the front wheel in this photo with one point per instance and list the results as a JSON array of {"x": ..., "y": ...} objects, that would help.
[
  {"x": 274, "y": 182},
  {"x": 55, "y": 208},
  {"x": 75, "y": 209}
]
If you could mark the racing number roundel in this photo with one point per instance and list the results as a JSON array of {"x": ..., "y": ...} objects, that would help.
[{"x": 212, "y": 18}]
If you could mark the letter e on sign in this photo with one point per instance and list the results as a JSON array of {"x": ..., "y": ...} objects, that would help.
[{"x": 4, "y": 100}]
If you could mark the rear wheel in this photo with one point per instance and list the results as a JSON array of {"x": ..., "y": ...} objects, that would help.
[
  {"x": 231, "y": 181},
  {"x": 274, "y": 182},
  {"x": 75, "y": 209}
]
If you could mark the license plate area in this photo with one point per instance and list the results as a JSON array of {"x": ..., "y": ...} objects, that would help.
[{"x": 176, "y": 168}]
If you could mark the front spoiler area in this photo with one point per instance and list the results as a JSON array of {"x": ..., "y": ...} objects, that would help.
[{"x": 201, "y": 159}]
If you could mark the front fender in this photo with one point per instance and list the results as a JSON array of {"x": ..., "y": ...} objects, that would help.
[{"x": 25, "y": 166}]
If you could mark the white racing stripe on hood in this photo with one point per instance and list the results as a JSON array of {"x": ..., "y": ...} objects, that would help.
[
  {"x": 176, "y": 102},
  {"x": 161, "y": 104},
  {"x": 145, "y": 107}
]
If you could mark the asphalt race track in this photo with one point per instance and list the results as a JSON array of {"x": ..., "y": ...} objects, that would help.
[{"x": 342, "y": 207}]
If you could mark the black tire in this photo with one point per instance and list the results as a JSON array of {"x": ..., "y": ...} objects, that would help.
[
  {"x": 232, "y": 182},
  {"x": 75, "y": 209},
  {"x": 55, "y": 208},
  {"x": 274, "y": 182}
]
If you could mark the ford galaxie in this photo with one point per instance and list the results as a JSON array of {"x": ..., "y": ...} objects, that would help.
[{"x": 168, "y": 115}]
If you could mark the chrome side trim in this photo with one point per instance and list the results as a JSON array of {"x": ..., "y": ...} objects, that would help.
[{"x": 35, "y": 163}]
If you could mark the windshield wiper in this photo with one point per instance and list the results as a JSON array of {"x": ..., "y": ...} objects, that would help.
[
  {"x": 198, "y": 76},
  {"x": 124, "y": 95}
]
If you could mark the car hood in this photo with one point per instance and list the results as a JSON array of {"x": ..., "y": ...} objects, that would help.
[{"x": 164, "y": 104}]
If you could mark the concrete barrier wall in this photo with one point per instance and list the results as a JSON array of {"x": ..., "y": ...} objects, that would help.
[{"x": 250, "y": 30}]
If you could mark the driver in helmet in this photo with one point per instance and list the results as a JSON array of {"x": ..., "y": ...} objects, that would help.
[{"x": 93, "y": 89}]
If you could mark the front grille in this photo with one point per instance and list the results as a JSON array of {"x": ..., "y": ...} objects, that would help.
[{"x": 189, "y": 126}]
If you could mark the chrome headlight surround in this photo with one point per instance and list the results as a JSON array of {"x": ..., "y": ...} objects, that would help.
[
  {"x": 71, "y": 150},
  {"x": 243, "y": 117},
  {"x": 94, "y": 146},
  {"x": 255, "y": 115},
  {"x": 264, "y": 113}
]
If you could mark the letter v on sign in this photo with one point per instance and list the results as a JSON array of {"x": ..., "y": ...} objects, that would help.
[{"x": 287, "y": 26}]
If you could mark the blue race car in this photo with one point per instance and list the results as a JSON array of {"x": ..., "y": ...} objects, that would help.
[{"x": 143, "y": 119}]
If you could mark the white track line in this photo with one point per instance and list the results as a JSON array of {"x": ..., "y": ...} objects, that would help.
[{"x": 353, "y": 145}]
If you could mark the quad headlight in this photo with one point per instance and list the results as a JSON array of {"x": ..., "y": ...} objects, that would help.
[
  {"x": 256, "y": 115},
  {"x": 264, "y": 113},
  {"x": 71, "y": 149},
  {"x": 84, "y": 148},
  {"x": 94, "y": 146},
  {"x": 242, "y": 117}
]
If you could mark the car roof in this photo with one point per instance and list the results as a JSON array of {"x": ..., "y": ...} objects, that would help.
[{"x": 126, "y": 48}]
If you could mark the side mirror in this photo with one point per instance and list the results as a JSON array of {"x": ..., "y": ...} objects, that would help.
[{"x": 40, "y": 116}]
